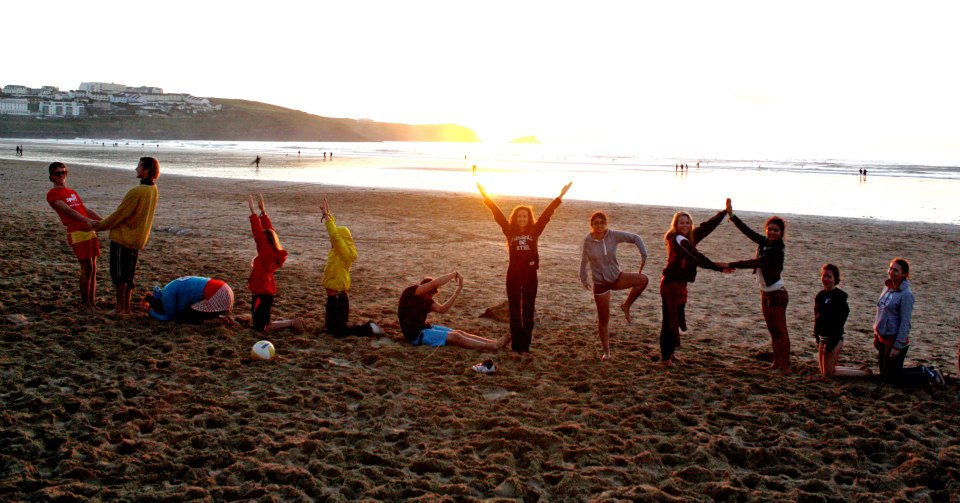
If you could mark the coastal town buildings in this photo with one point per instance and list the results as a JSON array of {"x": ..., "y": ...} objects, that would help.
[{"x": 99, "y": 98}]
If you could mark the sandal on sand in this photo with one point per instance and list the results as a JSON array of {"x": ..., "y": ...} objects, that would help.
[{"x": 487, "y": 367}]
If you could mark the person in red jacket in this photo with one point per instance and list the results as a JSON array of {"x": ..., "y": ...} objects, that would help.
[
  {"x": 270, "y": 257},
  {"x": 77, "y": 218}
]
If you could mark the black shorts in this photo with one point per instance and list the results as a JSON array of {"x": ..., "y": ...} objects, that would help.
[
  {"x": 831, "y": 342},
  {"x": 123, "y": 264},
  {"x": 260, "y": 310}
]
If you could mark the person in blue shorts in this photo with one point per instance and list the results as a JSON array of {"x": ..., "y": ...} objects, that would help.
[{"x": 417, "y": 302}]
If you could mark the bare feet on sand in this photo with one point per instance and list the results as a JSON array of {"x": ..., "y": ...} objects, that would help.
[
  {"x": 626, "y": 313},
  {"x": 606, "y": 357}
]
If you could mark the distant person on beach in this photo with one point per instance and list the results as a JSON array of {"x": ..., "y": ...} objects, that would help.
[
  {"x": 891, "y": 330},
  {"x": 130, "y": 226},
  {"x": 830, "y": 311},
  {"x": 336, "y": 280},
  {"x": 257, "y": 161},
  {"x": 682, "y": 262},
  {"x": 192, "y": 300},
  {"x": 522, "y": 232},
  {"x": 600, "y": 254},
  {"x": 773, "y": 293},
  {"x": 78, "y": 220},
  {"x": 417, "y": 302},
  {"x": 262, "y": 285}
]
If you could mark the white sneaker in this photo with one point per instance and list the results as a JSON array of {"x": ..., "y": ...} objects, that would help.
[
  {"x": 487, "y": 367},
  {"x": 375, "y": 329}
]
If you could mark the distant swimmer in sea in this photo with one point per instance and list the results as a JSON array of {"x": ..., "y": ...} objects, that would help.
[
  {"x": 417, "y": 302},
  {"x": 600, "y": 257}
]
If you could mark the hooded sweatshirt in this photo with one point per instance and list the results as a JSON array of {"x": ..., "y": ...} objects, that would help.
[
  {"x": 601, "y": 254},
  {"x": 336, "y": 275},
  {"x": 261, "y": 281},
  {"x": 894, "y": 313}
]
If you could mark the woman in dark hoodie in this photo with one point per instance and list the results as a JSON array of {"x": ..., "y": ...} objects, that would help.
[
  {"x": 682, "y": 262},
  {"x": 773, "y": 293}
]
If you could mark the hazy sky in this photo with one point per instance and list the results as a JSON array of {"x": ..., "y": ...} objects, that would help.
[{"x": 845, "y": 79}]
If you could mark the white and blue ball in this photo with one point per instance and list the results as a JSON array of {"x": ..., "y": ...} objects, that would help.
[{"x": 263, "y": 350}]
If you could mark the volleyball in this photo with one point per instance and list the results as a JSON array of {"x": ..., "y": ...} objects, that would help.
[{"x": 263, "y": 350}]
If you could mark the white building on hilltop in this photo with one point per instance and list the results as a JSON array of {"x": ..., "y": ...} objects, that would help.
[
  {"x": 102, "y": 87},
  {"x": 16, "y": 90},
  {"x": 14, "y": 106}
]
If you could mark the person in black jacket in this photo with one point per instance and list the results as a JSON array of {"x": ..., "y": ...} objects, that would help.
[
  {"x": 682, "y": 262},
  {"x": 830, "y": 313},
  {"x": 522, "y": 232},
  {"x": 773, "y": 293}
]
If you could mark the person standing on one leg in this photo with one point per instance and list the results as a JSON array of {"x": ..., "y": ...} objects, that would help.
[
  {"x": 336, "y": 280},
  {"x": 262, "y": 284},
  {"x": 891, "y": 330},
  {"x": 600, "y": 254},
  {"x": 522, "y": 231},
  {"x": 773, "y": 293},
  {"x": 681, "y": 269},
  {"x": 78, "y": 219},
  {"x": 130, "y": 226}
]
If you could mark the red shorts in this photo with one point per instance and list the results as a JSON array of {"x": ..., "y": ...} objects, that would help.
[{"x": 86, "y": 245}]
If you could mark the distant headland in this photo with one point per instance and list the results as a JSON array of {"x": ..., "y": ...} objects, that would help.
[{"x": 107, "y": 110}]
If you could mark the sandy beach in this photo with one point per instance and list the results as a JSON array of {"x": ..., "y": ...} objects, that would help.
[{"x": 95, "y": 407}]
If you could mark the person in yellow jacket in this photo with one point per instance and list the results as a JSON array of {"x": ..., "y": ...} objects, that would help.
[
  {"x": 336, "y": 280},
  {"x": 129, "y": 227}
]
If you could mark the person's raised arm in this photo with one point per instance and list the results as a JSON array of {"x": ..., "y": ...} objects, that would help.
[
  {"x": 751, "y": 234},
  {"x": 250, "y": 204},
  {"x": 442, "y": 308},
  {"x": 264, "y": 218},
  {"x": 341, "y": 246},
  {"x": 548, "y": 211},
  {"x": 436, "y": 283}
]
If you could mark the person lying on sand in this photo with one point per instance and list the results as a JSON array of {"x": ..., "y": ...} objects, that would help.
[
  {"x": 600, "y": 253},
  {"x": 191, "y": 299},
  {"x": 417, "y": 301}
]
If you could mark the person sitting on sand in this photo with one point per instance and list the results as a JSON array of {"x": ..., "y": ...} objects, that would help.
[
  {"x": 681, "y": 269},
  {"x": 336, "y": 280},
  {"x": 78, "y": 219},
  {"x": 192, "y": 300},
  {"x": 891, "y": 330},
  {"x": 522, "y": 231},
  {"x": 600, "y": 252},
  {"x": 830, "y": 311},
  {"x": 417, "y": 301},
  {"x": 129, "y": 228},
  {"x": 262, "y": 285},
  {"x": 773, "y": 293}
]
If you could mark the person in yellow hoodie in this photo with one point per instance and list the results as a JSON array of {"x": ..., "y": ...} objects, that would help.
[
  {"x": 336, "y": 280},
  {"x": 129, "y": 227}
]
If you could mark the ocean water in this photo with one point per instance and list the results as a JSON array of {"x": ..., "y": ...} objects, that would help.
[{"x": 900, "y": 191}]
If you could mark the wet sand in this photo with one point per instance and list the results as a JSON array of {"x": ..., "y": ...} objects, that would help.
[{"x": 95, "y": 407}]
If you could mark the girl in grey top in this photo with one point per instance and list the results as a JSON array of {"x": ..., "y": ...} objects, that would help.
[{"x": 600, "y": 252}]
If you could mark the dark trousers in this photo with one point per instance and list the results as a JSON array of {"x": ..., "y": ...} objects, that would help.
[
  {"x": 522, "y": 300},
  {"x": 673, "y": 298},
  {"x": 337, "y": 315},
  {"x": 892, "y": 371}
]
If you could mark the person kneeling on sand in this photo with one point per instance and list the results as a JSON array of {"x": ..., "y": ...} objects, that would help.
[
  {"x": 191, "y": 299},
  {"x": 262, "y": 284},
  {"x": 417, "y": 301},
  {"x": 336, "y": 280}
]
